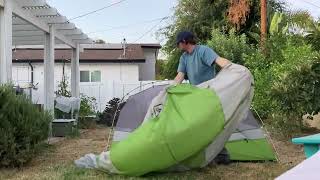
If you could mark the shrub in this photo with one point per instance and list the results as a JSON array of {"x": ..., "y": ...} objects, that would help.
[
  {"x": 297, "y": 89},
  {"x": 88, "y": 122},
  {"x": 170, "y": 69},
  {"x": 230, "y": 46},
  {"x": 88, "y": 105},
  {"x": 160, "y": 68},
  {"x": 112, "y": 109},
  {"x": 286, "y": 82},
  {"x": 23, "y": 127}
]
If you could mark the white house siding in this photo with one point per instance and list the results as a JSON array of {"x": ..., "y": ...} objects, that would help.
[{"x": 111, "y": 73}]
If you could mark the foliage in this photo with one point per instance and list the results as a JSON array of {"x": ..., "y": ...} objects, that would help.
[
  {"x": 23, "y": 128},
  {"x": 230, "y": 46},
  {"x": 88, "y": 122},
  {"x": 170, "y": 70},
  {"x": 88, "y": 105},
  {"x": 201, "y": 17},
  {"x": 160, "y": 68},
  {"x": 99, "y": 41},
  {"x": 112, "y": 111},
  {"x": 63, "y": 89},
  {"x": 313, "y": 36},
  {"x": 278, "y": 25},
  {"x": 256, "y": 62},
  {"x": 286, "y": 81},
  {"x": 296, "y": 85},
  {"x": 238, "y": 12}
]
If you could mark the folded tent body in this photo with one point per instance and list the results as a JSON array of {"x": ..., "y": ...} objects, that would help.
[{"x": 186, "y": 127}]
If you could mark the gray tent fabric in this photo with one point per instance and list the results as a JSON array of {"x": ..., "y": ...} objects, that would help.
[
  {"x": 136, "y": 108},
  {"x": 234, "y": 87},
  {"x": 231, "y": 79}
]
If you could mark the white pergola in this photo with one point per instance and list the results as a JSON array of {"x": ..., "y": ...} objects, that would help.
[{"x": 34, "y": 22}]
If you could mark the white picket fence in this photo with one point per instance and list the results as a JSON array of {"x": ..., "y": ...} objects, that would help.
[{"x": 103, "y": 92}]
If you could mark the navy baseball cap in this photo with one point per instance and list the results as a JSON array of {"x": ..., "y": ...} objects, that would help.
[{"x": 184, "y": 35}]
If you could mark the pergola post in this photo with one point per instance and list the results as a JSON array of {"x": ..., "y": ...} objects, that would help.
[
  {"x": 49, "y": 70},
  {"x": 6, "y": 42},
  {"x": 75, "y": 72}
]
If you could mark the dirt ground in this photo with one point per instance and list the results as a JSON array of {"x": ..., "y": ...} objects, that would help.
[{"x": 57, "y": 162}]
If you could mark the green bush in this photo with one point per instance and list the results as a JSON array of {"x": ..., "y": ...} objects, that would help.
[
  {"x": 261, "y": 68},
  {"x": 230, "y": 46},
  {"x": 88, "y": 105},
  {"x": 296, "y": 87},
  {"x": 170, "y": 69},
  {"x": 160, "y": 68},
  {"x": 22, "y": 128},
  {"x": 88, "y": 122},
  {"x": 286, "y": 81}
]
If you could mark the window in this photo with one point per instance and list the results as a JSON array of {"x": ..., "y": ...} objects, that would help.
[
  {"x": 84, "y": 76},
  {"x": 96, "y": 76},
  {"x": 90, "y": 76}
]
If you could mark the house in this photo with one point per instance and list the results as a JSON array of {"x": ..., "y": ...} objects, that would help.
[{"x": 99, "y": 64}]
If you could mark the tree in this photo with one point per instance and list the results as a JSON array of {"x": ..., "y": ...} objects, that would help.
[
  {"x": 99, "y": 41},
  {"x": 298, "y": 22},
  {"x": 238, "y": 12}
]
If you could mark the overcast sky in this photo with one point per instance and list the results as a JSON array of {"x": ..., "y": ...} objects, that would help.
[{"x": 135, "y": 20}]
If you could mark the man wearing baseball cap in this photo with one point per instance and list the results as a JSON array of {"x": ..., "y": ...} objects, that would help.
[{"x": 198, "y": 63}]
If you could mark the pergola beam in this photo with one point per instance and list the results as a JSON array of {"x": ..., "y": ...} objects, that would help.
[
  {"x": 28, "y": 38},
  {"x": 71, "y": 31},
  {"x": 77, "y": 36},
  {"x": 44, "y": 11},
  {"x": 24, "y": 27},
  {"x": 64, "y": 26},
  {"x": 83, "y": 41},
  {"x": 54, "y": 19},
  {"x": 32, "y": 3},
  {"x": 29, "y": 17},
  {"x": 27, "y": 33}
]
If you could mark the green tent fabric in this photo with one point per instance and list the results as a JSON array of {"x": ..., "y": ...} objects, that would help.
[
  {"x": 253, "y": 150},
  {"x": 191, "y": 119}
]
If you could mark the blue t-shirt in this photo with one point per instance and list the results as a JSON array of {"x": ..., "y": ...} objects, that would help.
[{"x": 198, "y": 64}]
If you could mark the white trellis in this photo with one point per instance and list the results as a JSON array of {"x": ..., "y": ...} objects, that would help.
[{"x": 34, "y": 22}]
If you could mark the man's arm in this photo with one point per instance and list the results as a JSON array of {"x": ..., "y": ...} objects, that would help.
[
  {"x": 222, "y": 62},
  {"x": 179, "y": 78}
]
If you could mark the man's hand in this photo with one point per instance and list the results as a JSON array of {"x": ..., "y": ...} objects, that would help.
[{"x": 179, "y": 78}]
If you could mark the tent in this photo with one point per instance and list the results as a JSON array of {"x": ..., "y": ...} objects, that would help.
[
  {"x": 185, "y": 127},
  {"x": 247, "y": 143}
]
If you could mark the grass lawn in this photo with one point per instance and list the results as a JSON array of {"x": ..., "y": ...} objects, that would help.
[{"x": 57, "y": 163}]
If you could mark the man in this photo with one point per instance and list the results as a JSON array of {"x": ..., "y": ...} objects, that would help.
[{"x": 198, "y": 63}]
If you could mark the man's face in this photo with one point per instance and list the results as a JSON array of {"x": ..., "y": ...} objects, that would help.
[{"x": 182, "y": 46}]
